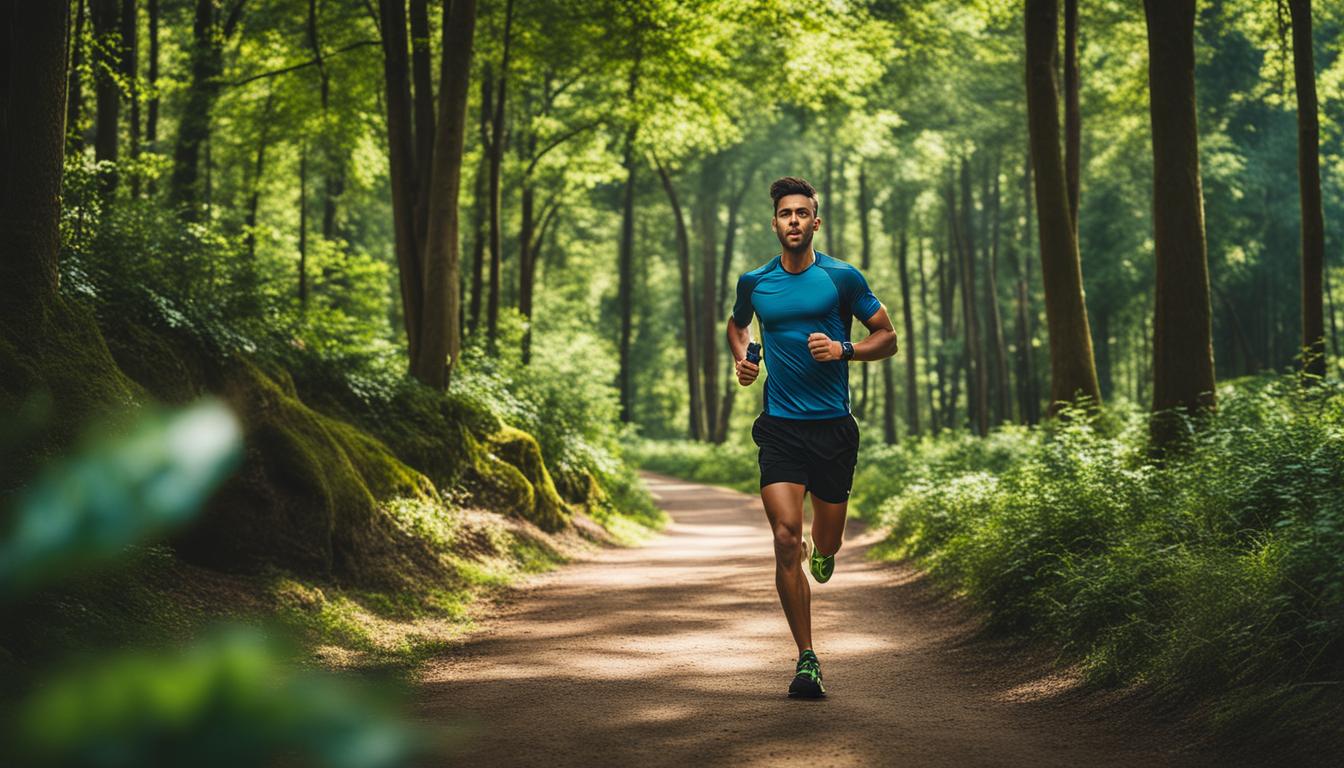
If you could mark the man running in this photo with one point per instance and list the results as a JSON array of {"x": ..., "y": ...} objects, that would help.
[{"x": 809, "y": 442}]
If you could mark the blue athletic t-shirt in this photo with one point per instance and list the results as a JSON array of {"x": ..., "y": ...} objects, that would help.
[{"x": 823, "y": 298}]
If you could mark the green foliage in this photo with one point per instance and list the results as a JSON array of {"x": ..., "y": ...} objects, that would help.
[
  {"x": 730, "y": 464},
  {"x": 118, "y": 491},
  {"x": 1217, "y": 575}
]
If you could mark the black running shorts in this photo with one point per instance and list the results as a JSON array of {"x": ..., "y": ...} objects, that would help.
[{"x": 819, "y": 455}]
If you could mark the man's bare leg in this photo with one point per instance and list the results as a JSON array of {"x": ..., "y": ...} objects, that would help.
[
  {"x": 784, "y": 508},
  {"x": 828, "y": 525}
]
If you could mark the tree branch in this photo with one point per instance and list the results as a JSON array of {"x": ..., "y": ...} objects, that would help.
[{"x": 309, "y": 63}]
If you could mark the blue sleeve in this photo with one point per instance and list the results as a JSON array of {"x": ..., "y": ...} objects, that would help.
[
  {"x": 742, "y": 309},
  {"x": 863, "y": 304}
]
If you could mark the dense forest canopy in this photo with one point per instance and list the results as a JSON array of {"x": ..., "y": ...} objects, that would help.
[{"x": 616, "y": 157}]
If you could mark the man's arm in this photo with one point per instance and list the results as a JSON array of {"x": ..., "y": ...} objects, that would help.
[
  {"x": 738, "y": 339},
  {"x": 881, "y": 341}
]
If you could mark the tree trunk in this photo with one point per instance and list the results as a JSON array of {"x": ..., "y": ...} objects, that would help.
[
  {"x": 130, "y": 27},
  {"x": 1182, "y": 323},
  {"x": 333, "y": 181},
  {"x": 889, "y": 403},
  {"x": 152, "y": 108},
  {"x": 396, "y": 79},
  {"x": 423, "y": 106},
  {"x": 526, "y": 269},
  {"x": 185, "y": 188},
  {"x": 1309, "y": 190},
  {"x": 496, "y": 150},
  {"x": 1073, "y": 118},
  {"x": 902, "y": 216},
  {"x": 730, "y": 386},
  {"x": 107, "y": 36},
  {"x": 75, "y": 139},
  {"x": 825, "y": 206},
  {"x": 1029, "y": 401},
  {"x": 976, "y": 380},
  {"x": 480, "y": 204},
  {"x": 303, "y": 226},
  {"x": 259, "y": 167},
  {"x": 1002, "y": 402},
  {"x": 710, "y": 320},
  {"x": 924, "y": 326},
  {"x": 441, "y": 336},
  {"x": 626, "y": 255},
  {"x": 32, "y": 147},
  {"x": 1072, "y": 369},
  {"x": 865, "y": 256},
  {"x": 697, "y": 421}
]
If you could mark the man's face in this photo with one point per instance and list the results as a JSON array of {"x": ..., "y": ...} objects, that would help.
[{"x": 795, "y": 221}]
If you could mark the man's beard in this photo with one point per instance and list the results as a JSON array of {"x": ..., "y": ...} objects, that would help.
[{"x": 804, "y": 243}]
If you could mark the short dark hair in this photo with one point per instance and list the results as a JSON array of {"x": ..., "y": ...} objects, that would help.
[{"x": 792, "y": 185}]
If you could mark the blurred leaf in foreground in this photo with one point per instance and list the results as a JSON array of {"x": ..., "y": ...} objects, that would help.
[
  {"x": 117, "y": 491},
  {"x": 227, "y": 701}
]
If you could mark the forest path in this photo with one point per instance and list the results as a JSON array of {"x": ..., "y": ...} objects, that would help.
[{"x": 677, "y": 653}]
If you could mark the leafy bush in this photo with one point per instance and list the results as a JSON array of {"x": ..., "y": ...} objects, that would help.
[{"x": 1218, "y": 574}]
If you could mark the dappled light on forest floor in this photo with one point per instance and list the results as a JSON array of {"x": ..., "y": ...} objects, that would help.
[{"x": 678, "y": 651}]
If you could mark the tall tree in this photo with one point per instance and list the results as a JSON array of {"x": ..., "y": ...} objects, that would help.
[
  {"x": 707, "y": 214},
  {"x": 977, "y": 382},
  {"x": 1073, "y": 115},
  {"x": 130, "y": 75},
  {"x": 76, "y": 92},
  {"x": 1182, "y": 322},
  {"x": 441, "y": 336},
  {"x": 1001, "y": 404},
  {"x": 1028, "y": 399},
  {"x": 901, "y": 215},
  {"x": 696, "y": 415},
  {"x": 186, "y": 188},
  {"x": 495, "y": 150},
  {"x": 107, "y": 92},
  {"x": 865, "y": 257},
  {"x": 626, "y": 255},
  {"x": 1309, "y": 191},
  {"x": 1073, "y": 370},
  {"x": 32, "y": 149}
]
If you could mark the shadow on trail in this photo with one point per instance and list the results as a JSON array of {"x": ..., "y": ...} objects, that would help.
[{"x": 678, "y": 652}]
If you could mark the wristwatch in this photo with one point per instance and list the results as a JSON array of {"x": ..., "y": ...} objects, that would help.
[{"x": 846, "y": 351}]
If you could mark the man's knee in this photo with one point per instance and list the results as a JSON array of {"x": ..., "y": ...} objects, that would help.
[{"x": 788, "y": 545}]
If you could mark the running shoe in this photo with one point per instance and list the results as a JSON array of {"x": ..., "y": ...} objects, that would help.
[
  {"x": 822, "y": 566},
  {"x": 807, "y": 679}
]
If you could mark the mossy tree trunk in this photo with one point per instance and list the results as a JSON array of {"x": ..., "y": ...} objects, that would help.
[
  {"x": 1309, "y": 189},
  {"x": 1182, "y": 320},
  {"x": 1073, "y": 371}
]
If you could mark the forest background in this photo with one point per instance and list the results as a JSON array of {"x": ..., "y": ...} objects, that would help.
[{"x": 457, "y": 268}]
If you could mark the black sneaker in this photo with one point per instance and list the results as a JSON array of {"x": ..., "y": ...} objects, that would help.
[{"x": 807, "y": 679}]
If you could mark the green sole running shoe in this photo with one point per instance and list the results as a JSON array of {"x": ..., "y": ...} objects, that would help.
[
  {"x": 822, "y": 566},
  {"x": 807, "y": 679}
]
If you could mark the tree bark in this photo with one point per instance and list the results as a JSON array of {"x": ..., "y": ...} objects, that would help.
[
  {"x": 496, "y": 150},
  {"x": 75, "y": 139},
  {"x": 1029, "y": 400},
  {"x": 977, "y": 396},
  {"x": 708, "y": 311},
  {"x": 480, "y": 204},
  {"x": 32, "y": 148},
  {"x": 1072, "y": 369},
  {"x": 889, "y": 403},
  {"x": 902, "y": 216},
  {"x": 626, "y": 256},
  {"x": 526, "y": 268},
  {"x": 423, "y": 106},
  {"x": 1000, "y": 390},
  {"x": 186, "y": 189},
  {"x": 730, "y": 386},
  {"x": 1309, "y": 190},
  {"x": 926, "y": 335},
  {"x": 303, "y": 226},
  {"x": 107, "y": 34},
  {"x": 1073, "y": 118},
  {"x": 258, "y": 168},
  {"x": 333, "y": 181},
  {"x": 1182, "y": 324},
  {"x": 396, "y": 79},
  {"x": 697, "y": 421},
  {"x": 865, "y": 257},
  {"x": 130, "y": 27},
  {"x": 152, "y": 108},
  {"x": 441, "y": 337}
]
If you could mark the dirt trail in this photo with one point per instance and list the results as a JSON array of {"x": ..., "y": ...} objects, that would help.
[{"x": 677, "y": 653}]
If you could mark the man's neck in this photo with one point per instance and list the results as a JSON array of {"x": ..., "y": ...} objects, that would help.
[{"x": 797, "y": 261}]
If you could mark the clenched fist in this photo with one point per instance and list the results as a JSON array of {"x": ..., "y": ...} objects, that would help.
[
  {"x": 822, "y": 348},
  {"x": 747, "y": 372}
]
